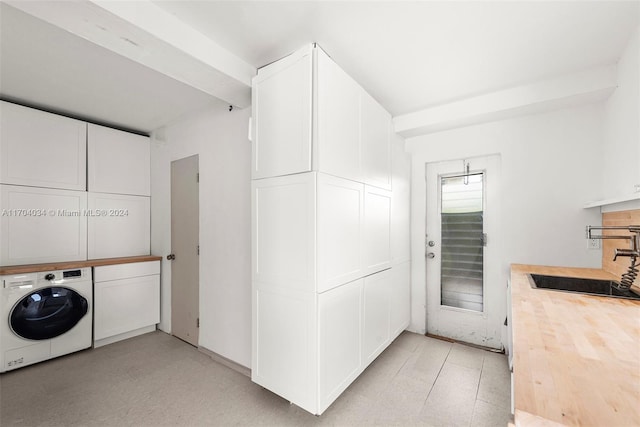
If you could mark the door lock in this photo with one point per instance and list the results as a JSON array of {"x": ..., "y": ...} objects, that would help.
[
  {"x": 431, "y": 243},
  {"x": 171, "y": 257}
]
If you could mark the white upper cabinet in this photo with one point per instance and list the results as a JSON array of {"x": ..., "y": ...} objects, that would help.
[
  {"x": 375, "y": 130},
  {"x": 41, "y": 149},
  {"x": 119, "y": 225},
  {"x": 118, "y": 162},
  {"x": 41, "y": 225},
  {"x": 282, "y": 98},
  {"x": 338, "y": 142},
  {"x": 310, "y": 115}
]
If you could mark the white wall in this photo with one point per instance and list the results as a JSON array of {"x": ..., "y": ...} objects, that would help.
[
  {"x": 622, "y": 125},
  {"x": 550, "y": 166},
  {"x": 219, "y": 137}
]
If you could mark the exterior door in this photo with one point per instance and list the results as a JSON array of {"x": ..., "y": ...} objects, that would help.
[
  {"x": 463, "y": 271},
  {"x": 185, "y": 277}
]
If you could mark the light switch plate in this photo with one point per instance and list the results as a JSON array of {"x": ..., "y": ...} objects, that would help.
[{"x": 593, "y": 243}]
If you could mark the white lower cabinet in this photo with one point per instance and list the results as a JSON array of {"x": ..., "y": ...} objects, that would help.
[
  {"x": 324, "y": 297},
  {"x": 126, "y": 301},
  {"x": 377, "y": 291},
  {"x": 42, "y": 225},
  {"x": 118, "y": 225},
  {"x": 284, "y": 351},
  {"x": 400, "y": 298},
  {"x": 309, "y": 347},
  {"x": 340, "y": 339}
]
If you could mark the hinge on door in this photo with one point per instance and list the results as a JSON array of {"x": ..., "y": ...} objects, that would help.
[
  {"x": 198, "y": 322},
  {"x": 198, "y": 177},
  {"x": 198, "y": 249},
  {"x": 483, "y": 239}
]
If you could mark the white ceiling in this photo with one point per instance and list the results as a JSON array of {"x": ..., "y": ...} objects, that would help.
[
  {"x": 46, "y": 67},
  {"x": 408, "y": 55}
]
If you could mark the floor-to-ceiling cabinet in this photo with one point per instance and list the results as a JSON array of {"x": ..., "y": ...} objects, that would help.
[{"x": 328, "y": 294}]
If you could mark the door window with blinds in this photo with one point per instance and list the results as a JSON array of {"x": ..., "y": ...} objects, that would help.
[{"x": 461, "y": 216}]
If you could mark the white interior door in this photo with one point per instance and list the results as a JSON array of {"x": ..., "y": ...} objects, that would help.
[
  {"x": 185, "y": 276},
  {"x": 463, "y": 273}
]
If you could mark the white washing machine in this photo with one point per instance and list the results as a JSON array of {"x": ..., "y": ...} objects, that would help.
[{"x": 44, "y": 315}]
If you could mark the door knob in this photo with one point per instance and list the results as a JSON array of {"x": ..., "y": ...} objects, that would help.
[
  {"x": 431, "y": 255},
  {"x": 171, "y": 257}
]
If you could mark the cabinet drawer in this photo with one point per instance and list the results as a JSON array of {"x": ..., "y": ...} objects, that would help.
[
  {"x": 123, "y": 271},
  {"x": 41, "y": 149},
  {"x": 125, "y": 305}
]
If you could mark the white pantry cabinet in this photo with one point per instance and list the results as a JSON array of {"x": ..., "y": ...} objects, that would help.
[
  {"x": 41, "y": 225},
  {"x": 41, "y": 149},
  {"x": 326, "y": 294},
  {"x": 315, "y": 238},
  {"x": 118, "y": 162},
  {"x": 126, "y": 301},
  {"x": 118, "y": 225},
  {"x": 310, "y": 115}
]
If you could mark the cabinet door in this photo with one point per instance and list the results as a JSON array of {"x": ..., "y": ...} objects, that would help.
[
  {"x": 401, "y": 203},
  {"x": 125, "y": 305},
  {"x": 282, "y": 94},
  {"x": 118, "y": 225},
  {"x": 400, "y": 298},
  {"x": 338, "y": 147},
  {"x": 40, "y": 225},
  {"x": 340, "y": 216},
  {"x": 376, "y": 247},
  {"x": 284, "y": 231},
  {"x": 284, "y": 350},
  {"x": 375, "y": 336},
  {"x": 41, "y": 149},
  {"x": 118, "y": 162},
  {"x": 375, "y": 130},
  {"x": 339, "y": 314}
]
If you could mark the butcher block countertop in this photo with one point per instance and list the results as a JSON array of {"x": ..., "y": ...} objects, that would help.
[
  {"x": 35, "y": 268},
  {"x": 576, "y": 358}
]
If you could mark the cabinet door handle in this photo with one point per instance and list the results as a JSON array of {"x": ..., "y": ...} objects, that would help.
[{"x": 171, "y": 257}]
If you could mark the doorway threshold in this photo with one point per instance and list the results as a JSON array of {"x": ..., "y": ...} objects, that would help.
[{"x": 481, "y": 347}]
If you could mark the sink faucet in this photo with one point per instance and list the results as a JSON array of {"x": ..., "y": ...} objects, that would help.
[{"x": 633, "y": 252}]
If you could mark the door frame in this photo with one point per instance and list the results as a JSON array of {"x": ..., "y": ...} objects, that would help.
[{"x": 418, "y": 244}]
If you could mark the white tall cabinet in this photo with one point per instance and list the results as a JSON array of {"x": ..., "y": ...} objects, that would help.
[
  {"x": 327, "y": 296},
  {"x": 119, "y": 184}
]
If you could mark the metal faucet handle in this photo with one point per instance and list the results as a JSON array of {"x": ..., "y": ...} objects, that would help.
[{"x": 625, "y": 252}]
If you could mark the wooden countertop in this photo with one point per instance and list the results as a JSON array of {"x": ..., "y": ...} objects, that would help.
[
  {"x": 34, "y": 268},
  {"x": 576, "y": 358}
]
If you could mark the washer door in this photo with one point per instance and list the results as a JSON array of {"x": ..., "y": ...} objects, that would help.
[{"x": 47, "y": 313}]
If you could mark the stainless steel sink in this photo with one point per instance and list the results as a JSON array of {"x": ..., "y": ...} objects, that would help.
[{"x": 583, "y": 286}]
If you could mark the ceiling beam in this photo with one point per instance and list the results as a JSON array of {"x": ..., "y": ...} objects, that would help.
[
  {"x": 147, "y": 34},
  {"x": 560, "y": 92}
]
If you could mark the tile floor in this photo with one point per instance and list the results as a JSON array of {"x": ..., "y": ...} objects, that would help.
[{"x": 156, "y": 380}]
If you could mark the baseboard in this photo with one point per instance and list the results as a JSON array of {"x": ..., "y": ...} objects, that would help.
[
  {"x": 124, "y": 336},
  {"x": 226, "y": 362}
]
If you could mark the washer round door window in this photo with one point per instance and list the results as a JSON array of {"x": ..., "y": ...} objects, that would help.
[{"x": 47, "y": 313}]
